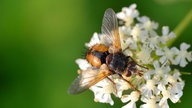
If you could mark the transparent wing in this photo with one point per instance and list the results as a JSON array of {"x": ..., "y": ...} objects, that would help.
[
  {"x": 110, "y": 29},
  {"x": 86, "y": 79}
]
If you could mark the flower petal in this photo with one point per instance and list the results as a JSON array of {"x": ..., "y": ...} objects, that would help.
[
  {"x": 165, "y": 30},
  {"x": 83, "y": 64},
  {"x": 184, "y": 46}
]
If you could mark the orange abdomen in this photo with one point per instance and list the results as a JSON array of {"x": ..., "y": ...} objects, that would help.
[{"x": 96, "y": 55}]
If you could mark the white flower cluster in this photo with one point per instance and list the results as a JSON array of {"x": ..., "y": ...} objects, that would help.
[{"x": 140, "y": 40}]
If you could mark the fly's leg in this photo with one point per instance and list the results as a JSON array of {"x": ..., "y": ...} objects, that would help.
[
  {"x": 132, "y": 86},
  {"x": 114, "y": 84},
  {"x": 137, "y": 63}
]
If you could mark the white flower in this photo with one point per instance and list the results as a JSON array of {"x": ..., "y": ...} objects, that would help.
[
  {"x": 166, "y": 35},
  {"x": 136, "y": 32},
  {"x": 157, "y": 80},
  {"x": 149, "y": 88},
  {"x": 150, "y": 102},
  {"x": 144, "y": 55},
  {"x": 83, "y": 64},
  {"x": 143, "y": 37},
  {"x": 102, "y": 91},
  {"x": 169, "y": 93},
  {"x": 167, "y": 54},
  {"x": 127, "y": 39},
  {"x": 153, "y": 42},
  {"x": 147, "y": 24},
  {"x": 121, "y": 85},
  {"x": 174, "y": 86},
  {"x": 132, "y": 44},
  {"x": 183, "y": 55},
  {"x": 124, "y": 37},
  {"x": 131, "y": 99},
  {"x": 160, "y": 70},
  {"x": 94, "y": 40},
  {"x": 128, "y": 14},
  {"x": 164, "y": 105}
]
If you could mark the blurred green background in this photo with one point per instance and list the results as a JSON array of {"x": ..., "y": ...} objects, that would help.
[{"x": 40, "y": 40}]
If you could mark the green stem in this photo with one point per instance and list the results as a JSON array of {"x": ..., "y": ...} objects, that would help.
[
  {"x": 186, "y": 73},
  {"x": 181, "y": 26}
]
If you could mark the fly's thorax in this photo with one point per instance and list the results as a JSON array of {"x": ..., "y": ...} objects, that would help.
[{"x": 117, "y": 62}]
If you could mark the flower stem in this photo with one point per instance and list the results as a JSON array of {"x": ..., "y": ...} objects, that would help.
[
  {"x": 181, "y": 26},
  {"x": 186, "y": 73}
]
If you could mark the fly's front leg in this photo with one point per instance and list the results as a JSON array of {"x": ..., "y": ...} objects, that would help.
[
  {"x": 132, "y": 86},
  {"x": 114, "y": 84},
  {"x": 137, "y": 63}
]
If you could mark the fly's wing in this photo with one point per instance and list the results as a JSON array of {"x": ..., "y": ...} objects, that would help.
[
  {"x": 86, "y": 79},
  {"x": 110, "y": 30}
]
